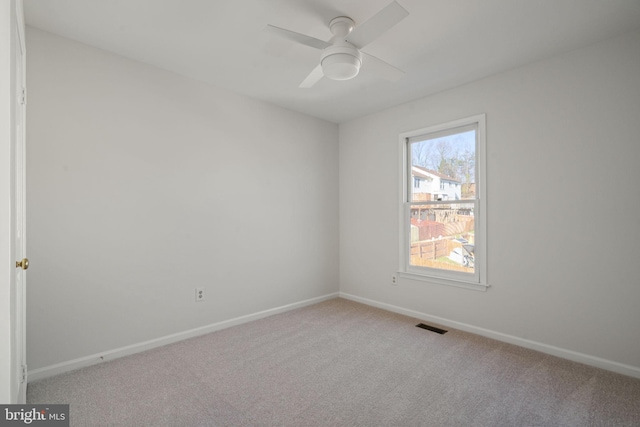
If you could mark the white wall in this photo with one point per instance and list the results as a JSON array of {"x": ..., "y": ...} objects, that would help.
[
  {"x": 137, "y": 195},
  {"x": 563, "y": 249}
]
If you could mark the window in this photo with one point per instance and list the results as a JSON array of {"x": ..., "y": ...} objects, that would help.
[{"x": 443, "y": 227}]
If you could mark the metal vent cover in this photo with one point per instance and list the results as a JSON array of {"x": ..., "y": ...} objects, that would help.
[{"x": 431, "y": 328}]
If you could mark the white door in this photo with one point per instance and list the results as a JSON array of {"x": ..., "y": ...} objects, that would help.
[
  {"x": 22, "y": 262},
  {"x": 12, "y": 203}
]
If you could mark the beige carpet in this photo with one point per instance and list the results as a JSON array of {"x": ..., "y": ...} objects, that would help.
[{"x": 340, "y": 363}]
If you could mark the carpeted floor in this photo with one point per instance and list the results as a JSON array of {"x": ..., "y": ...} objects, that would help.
[{"x": 340, "y": 363}]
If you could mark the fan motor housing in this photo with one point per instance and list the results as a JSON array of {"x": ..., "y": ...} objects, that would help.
[
  {"x": 341, "y": 26},
  {"x": 341, "y": 61}
]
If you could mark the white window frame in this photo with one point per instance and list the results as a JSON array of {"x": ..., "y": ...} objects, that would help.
[{"x": 478, "y": 279}]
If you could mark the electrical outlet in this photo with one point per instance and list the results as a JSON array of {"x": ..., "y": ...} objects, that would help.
[
  {"x": 199, "y": 294},
  {"x": 394, "y": 280}
]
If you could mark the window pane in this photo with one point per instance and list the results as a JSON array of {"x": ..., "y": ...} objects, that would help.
[
  {"x": 443, "y": 167},
  {"x": 442, "y": 236}
]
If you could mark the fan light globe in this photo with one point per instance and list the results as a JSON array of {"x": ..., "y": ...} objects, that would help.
[
  {"x": 340, "y": 66},
  {"x": 341, "y": 61}
]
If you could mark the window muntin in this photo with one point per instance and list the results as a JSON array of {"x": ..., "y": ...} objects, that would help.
[{"x": 443, "y": 220}]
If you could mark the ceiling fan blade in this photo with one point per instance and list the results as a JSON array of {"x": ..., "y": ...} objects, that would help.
[
  {"x": 296, "y": 37},
  {"x": 381, "y": 68},
  {"x": 369, "y": 30},
  {"x": 313, "y": 78}
]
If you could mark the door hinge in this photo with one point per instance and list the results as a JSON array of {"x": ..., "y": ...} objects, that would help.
[
  {"x": 23, "y": 96},
  {"x": 24, "y": 374}
]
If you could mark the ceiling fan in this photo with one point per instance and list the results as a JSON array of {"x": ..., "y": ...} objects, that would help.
[{"x": 341, "y": 57}]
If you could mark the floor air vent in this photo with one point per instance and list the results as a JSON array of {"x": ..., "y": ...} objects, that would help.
[{"x": 431, "y": 328}]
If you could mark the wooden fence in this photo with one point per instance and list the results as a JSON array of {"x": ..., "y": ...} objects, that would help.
[
  {"x": 427, "y": 230},
  {"x": 429, "y": 249},
  {"x": 425, "y": 254}
]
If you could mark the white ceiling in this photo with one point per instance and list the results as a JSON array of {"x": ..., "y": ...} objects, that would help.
[{"x": 441, "y": 44}]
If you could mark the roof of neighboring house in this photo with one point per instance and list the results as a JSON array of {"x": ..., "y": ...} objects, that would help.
[
  {"x": 420, "y": 170},
  {"x": 421, "y": 174}
]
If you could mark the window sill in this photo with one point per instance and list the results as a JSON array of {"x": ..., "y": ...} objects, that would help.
[{"x": 443, "y": 281}]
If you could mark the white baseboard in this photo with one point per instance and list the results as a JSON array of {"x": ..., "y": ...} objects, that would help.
[
  {"x": 632, "y": 371},
  {"x": 59, "y": 368}
]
